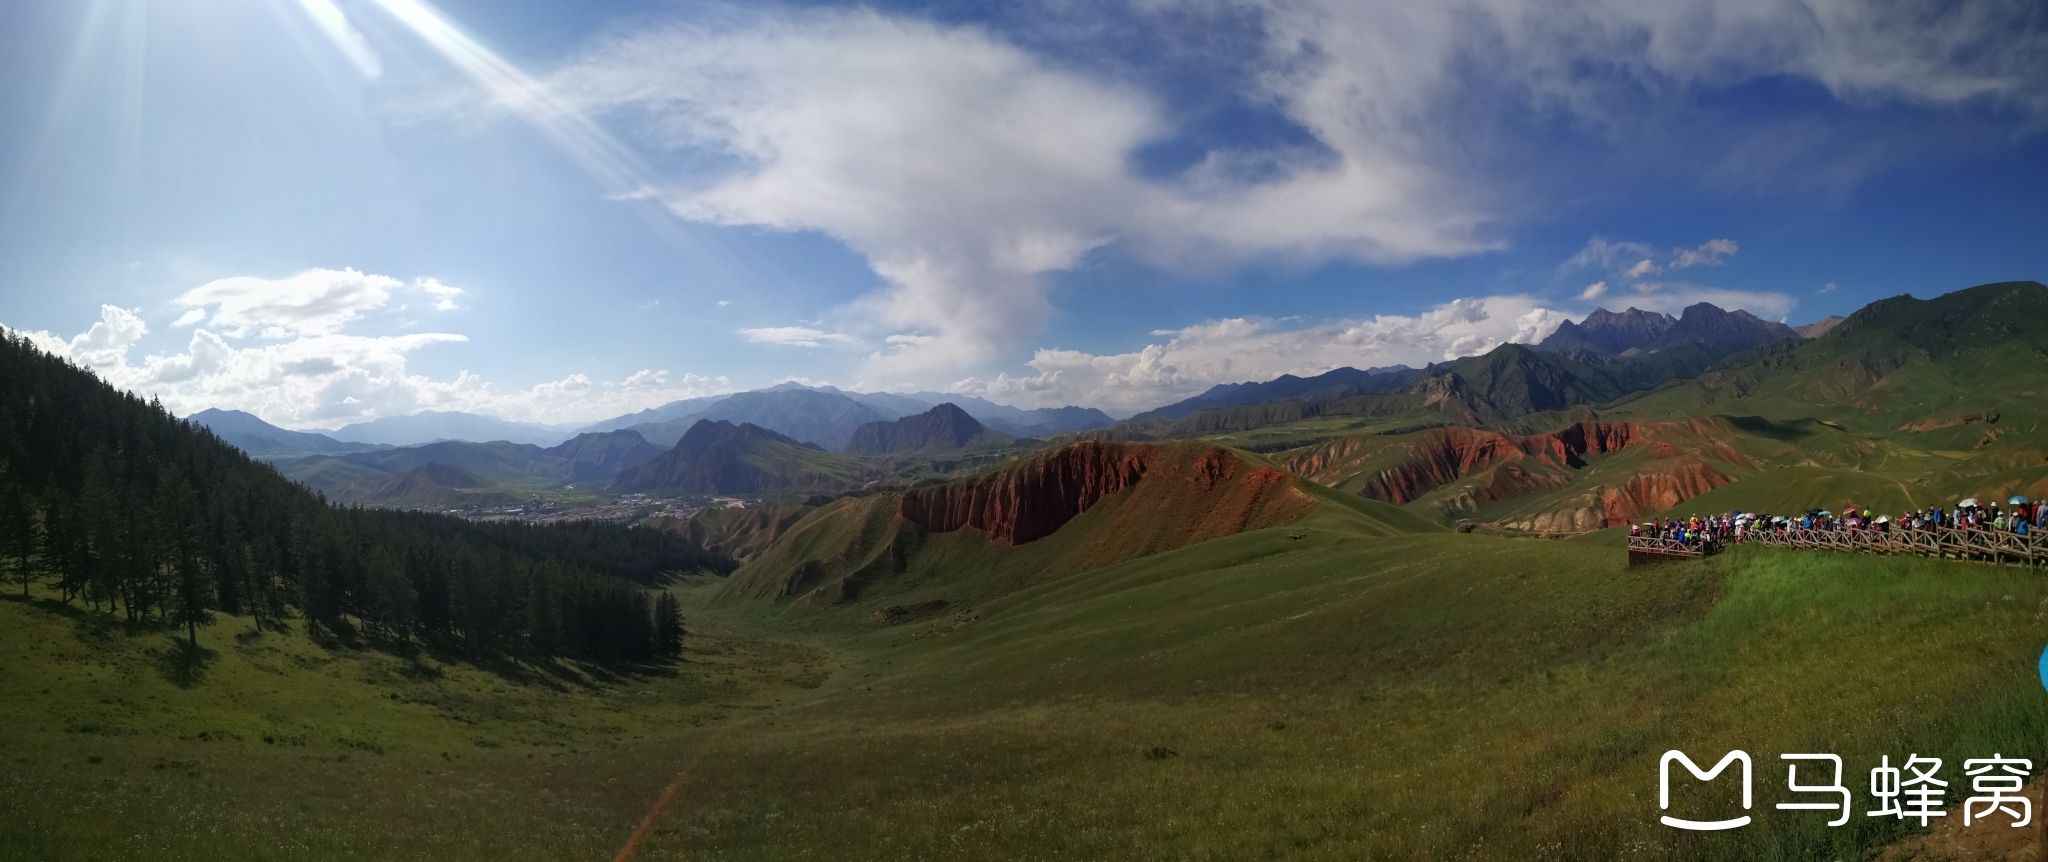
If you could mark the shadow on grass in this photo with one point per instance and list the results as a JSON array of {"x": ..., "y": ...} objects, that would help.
[{"x": 183, "y": 664}]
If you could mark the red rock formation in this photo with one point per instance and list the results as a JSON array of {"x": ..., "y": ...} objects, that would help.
[
  {"x": 1187, "y": 493},
  {"x": 1439, "y": 459},
  {"x": 1036, "y": 496},
  {"x": 1655, "y": 492},
  {"x": 1445, "y": 456}
]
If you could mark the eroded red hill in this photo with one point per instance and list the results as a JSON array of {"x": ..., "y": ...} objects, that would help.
[{"x": 1066, "y": 510}]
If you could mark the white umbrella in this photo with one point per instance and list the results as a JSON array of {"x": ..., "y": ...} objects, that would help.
[{"x": 1970, "y": 503}]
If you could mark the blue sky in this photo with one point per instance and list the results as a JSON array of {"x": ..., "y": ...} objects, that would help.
[{"x": 325, "y": 211}]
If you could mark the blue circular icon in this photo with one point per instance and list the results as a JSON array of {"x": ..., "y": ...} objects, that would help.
[{"x": 2044, "y": 667}]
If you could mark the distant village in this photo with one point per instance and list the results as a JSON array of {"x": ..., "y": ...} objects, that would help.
[{"x": 628, "y": 508}]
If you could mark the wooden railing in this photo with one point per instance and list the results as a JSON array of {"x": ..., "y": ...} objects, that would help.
[
  {"x": 1989, "y": 546},
  {"x": 1663, "y": 547}
]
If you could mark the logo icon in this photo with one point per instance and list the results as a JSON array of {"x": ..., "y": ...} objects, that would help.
[{"x": 1664, "y": 789}]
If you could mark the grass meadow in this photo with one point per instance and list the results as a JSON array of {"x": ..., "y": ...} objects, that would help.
[{"x": 1439, "y": 696}]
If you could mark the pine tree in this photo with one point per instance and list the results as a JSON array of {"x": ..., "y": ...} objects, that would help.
[
  {"x": 187, "y": 593},
  {"x": 394, "y": 602},
  {"x": 668, "y": 625},
  {"x": 23, "y": 535}
]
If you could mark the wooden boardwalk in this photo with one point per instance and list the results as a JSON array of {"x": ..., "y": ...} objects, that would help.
[
  {"x": 1984, "y": 546},
  {"x": 1655, "y": 549}
]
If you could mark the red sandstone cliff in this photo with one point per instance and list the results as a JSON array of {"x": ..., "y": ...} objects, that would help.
[
  {"x": 1034, "y": 497},
  {"x": 1192, "y": 491}
]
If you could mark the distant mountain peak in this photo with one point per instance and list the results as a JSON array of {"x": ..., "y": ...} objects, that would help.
[
  {"x": 1819, "y": 327},
  {"x": 941, "y": 429},
  {"x": 1610, "y": 333}
]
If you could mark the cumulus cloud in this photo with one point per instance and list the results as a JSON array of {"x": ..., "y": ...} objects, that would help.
[
  {"x": 1709, "y": 254},
  {"x": 314, "y": 302},
  {"x": 1593, "y": 291},
  {"x": 1193, "y": 359},
  {"x": 443, "y": 295},
  {"x": 965, "y": 168},
  {"x": 274, "y": 347},
  {"x": 795, "y": 336}
]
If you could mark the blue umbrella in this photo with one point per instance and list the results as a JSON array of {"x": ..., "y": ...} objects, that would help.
[{"x": 2018, "y": 501}]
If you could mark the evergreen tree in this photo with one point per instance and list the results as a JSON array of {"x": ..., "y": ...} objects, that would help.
[
  {"x": 21, "y": 534},
  {"x": 187, "y": 593},
  {"x": 131, "y": 508},
  {"x": 394, "y": 602},
  {"x": 668, "y": 625}
]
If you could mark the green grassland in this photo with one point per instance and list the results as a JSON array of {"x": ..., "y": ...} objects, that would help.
[
  {"x": 119, "y": 743},
  {"x": 1346, "y": 695}
]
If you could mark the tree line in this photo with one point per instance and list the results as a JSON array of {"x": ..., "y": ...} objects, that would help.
[{"x": 114, "y": 503}]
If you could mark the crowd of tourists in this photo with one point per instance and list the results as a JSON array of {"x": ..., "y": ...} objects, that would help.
[{"x": 2019, "y": 515}]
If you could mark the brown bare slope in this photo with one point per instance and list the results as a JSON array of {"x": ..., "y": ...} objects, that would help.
[{"x": 1072, "y": 509}]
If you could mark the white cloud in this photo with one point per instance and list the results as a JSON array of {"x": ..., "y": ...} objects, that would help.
[
  {"x": 1593, "y": 291},
  {"x": 444, "y": 296},
  {"x": 301, "y": 371},
  {"x": 795, "y": 336},
  {"x": 314, "y": 302},
  {"x": 1710, "y": 254},
  {"x": 724, "y": 302},
  {"x": 647, "y": 377},
  {"x": 190, "y": 317},
  {"x": 1828, "y": 288},
  {"x": 1239, "y": 349},
  {"x": 1635, "y": 260},
  {"x": 964, "y": 168},
  {"x": 1604, "y": 255}
]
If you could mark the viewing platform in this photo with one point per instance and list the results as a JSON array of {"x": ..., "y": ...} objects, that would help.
[
  {"x": 1982, "y": 546},
  {"x": 1654, "y": 549}
]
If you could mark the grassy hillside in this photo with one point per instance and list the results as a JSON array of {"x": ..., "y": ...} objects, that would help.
[
  {"x": 1341, "y": 697},
  {"x": 1359, "y": 692},
  {"x": 119, "y": 744},
  {"x": 866, "y": 553}
]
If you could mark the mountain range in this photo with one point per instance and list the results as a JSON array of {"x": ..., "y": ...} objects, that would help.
[
  {"x": 428, "y": 426},
  {"x": 828, "y": 416},
  {"x": 265, "y": 441},
  {"x": 456, "y": 472},
  {"x": 718, "y": 457},
  {"x": 1628, "y": 333}
]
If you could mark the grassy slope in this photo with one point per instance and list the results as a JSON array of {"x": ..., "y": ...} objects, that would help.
[
  {"x": 1343, "y": 697},
  {"x": 1346, "y": 695},
  {"x": 277, "y": 747}
]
